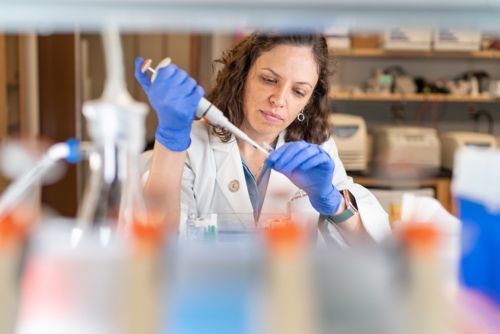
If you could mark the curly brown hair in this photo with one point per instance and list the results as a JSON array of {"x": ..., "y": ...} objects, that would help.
[{"x": 229, "y": 88}]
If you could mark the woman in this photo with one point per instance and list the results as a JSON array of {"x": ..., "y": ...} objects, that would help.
[{"x": 275, "y": 89}]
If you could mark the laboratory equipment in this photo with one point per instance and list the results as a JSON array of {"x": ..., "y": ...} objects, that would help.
[
  {"x": 351, "y": 138},
  {"x": 417, "y": 209},
  {"x": 406, "y": 148},
  {"x": 69, "y": 150},
  {"x": 116, "y": 125},
  {"x": 17, "y": 219},
  {"x": 209, "y": 111},
  {"x": 428, "y": 308},
  {"x": 453, "y": 140},
  {"x": 338, "y": 38},
  {"x": 214, "y": 289},
  {"x": 67, "y": 288},
  {"x": 446, "y": 39},
  {"x": 99, "y": 279},
  {"x": 199, "y": 228},
  {"x": 408, "y": 39},
  {"x": 289, "y": 279}
]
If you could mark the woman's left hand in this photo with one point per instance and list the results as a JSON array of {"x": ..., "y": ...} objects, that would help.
[{"x": 310, "y": 168}]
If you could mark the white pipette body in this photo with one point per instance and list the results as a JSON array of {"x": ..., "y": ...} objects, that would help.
[
  {"x": 216, "y": 117},
  {"x": 209, "y": 111}
]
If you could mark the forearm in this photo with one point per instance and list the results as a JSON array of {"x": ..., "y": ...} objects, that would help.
[
  {"x": 163, "y": 186},
  {"x": 352, "y": 229}
]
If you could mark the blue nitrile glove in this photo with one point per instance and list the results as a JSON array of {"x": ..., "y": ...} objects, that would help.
[
  {"x": 174, "y": 96},
  {"x": 310, "y": 168}
]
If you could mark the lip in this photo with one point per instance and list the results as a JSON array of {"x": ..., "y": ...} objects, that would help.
[{"x": 272, "y": 117}]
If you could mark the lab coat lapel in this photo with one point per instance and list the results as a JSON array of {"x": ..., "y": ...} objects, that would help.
[{"x": 229, "y": 174}]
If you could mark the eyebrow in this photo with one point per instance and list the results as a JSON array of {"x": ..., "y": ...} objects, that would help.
[{"x": 279, "y": 76}]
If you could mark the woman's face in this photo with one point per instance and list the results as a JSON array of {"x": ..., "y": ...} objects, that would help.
[{"x": 278, "y": 86}]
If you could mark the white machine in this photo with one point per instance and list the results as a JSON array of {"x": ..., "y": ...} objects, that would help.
[
  {"x": 457, "y": 40},
  {"x": 406, "y": 150},
  {"x": 349, "y": 133},
  {"x": 338, "y": 38},
  {"x": 453, "y": 140},
  {"x": 408, "y": 39}
]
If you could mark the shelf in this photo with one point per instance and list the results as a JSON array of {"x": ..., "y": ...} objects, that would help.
[
  {"x": 380, "y": 53},
  {"x": 235, "y": 15},
  {"x": 347, "y": 96}
]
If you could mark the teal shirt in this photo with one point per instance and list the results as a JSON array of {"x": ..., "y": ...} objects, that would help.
[{"x": 256, "y": 188}]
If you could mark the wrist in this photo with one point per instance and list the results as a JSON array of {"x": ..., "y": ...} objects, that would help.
[
  {"x": 341, "y": 208},
  {"x": 347, "y": 209},
  {"x": 328, "y": 203},
  {"x": 174, "y": 140}
]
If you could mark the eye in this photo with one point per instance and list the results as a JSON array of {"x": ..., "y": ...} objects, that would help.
[
  {"x": 299, "y": 93},
  {"x": 268, "y": 80}
]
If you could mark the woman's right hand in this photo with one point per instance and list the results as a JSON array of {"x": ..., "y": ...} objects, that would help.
[{"x": 175, "y": 97}]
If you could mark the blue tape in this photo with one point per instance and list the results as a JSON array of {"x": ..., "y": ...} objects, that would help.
[{"x": 74, "y": 151}]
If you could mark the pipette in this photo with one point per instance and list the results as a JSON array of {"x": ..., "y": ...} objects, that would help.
[{"x": 208, "y": 110}]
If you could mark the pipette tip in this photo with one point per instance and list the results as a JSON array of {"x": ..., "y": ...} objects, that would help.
[
  {"x": 267, "y": 149},
  {"x": 261, "y": 149}
]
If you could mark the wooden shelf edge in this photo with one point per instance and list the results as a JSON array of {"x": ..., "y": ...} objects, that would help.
[
  {"x": 347, "y": 96},
  {"x": 381, "y": 53}
]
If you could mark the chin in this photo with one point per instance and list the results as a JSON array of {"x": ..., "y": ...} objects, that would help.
[{"x": 270, "y": 130}]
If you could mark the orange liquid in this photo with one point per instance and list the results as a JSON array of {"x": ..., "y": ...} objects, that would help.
[
  {"x": 12, "y": 229},
  {"x": 283, "y": 234},
  {"x": 147, "y": 234},
  {"x": 420, "y": 238}
]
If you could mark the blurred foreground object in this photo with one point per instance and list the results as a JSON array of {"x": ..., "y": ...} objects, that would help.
[
  {"x": 14, "y": 228},
  {"x": 19, "y": 212},
  {"x": 222, "y": 15},
  {"x": 428, "y": 310},
  {"x": 290, "y": 304},
  {"x": 71, "y": 288},
  {"x": 476, "y": 185},
  {"x": 427, "y": 211},
  {"x": 96, "y": 273},
  {"x": 116, "y": 125},
  {"x": 43, "y": 167}
]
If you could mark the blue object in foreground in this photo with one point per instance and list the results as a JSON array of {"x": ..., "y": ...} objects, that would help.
[
  {"x": 480, "y": 262},
  {"x": 476, "y": 185}
]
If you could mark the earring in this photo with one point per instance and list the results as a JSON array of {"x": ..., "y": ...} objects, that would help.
[{"x": 300, "y": 116}]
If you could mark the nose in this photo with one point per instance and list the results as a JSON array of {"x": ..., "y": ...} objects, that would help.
[{"x": 277, "y": 98}]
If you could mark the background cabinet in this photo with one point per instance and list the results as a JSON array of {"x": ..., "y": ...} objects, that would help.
[
  {"x": 446, "y": 112},
  {"x": 18, "y": 95}
]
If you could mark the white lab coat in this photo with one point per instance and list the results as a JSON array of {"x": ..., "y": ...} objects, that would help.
[{"x": 214, "y": 182}]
